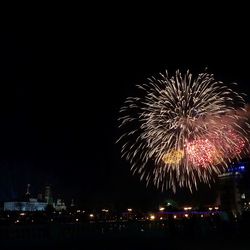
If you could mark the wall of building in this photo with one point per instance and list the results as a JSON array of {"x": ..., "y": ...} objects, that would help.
[{"x": 25, "y": 206}]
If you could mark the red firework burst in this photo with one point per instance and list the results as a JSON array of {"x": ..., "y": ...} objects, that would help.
[
  {"x": 202, "y": 152},
  {"x": 215, "y": 148}
]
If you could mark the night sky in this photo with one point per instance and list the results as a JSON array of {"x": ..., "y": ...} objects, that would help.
[{"x": 60, "y": 92}]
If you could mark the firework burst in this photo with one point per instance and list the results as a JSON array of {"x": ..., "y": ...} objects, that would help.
[{"x": 183, "y": 130}]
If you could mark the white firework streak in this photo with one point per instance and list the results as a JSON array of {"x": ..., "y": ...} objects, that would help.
[{"x": 174, "y": 112}]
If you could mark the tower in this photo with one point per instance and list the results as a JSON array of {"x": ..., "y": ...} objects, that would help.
[
  {"x": 27, "y": 194},
  {"x": 48, "y": 195}
]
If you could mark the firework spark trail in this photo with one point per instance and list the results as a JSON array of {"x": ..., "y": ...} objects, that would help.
[{"x": 175, "y": 134}]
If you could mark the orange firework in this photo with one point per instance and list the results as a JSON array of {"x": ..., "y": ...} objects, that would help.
[{"x": 173, "y": 157}]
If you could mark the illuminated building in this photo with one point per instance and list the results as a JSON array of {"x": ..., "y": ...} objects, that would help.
[
  {"x": 31, "y": 205},
  {"x": 233, "y": 190},
  {"x": 59, "y": 205},
  {"x": 28, "y": 204}
]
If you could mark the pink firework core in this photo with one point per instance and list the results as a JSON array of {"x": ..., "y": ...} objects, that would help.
[{"x": 202, "y": 152}]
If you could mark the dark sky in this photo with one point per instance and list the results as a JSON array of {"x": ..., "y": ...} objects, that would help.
[{"x": 60, "y": 92}]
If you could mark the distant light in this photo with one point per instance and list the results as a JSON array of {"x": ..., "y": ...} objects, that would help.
[
  {"x": 210, "y": 208},
  {"x": 51, "y": 219},
  {"x": 186, "y": 215},
  {"x": 91, "y": 215},
  {"x": 175, "y": 216},
  {"x": 32, "y": 220},
  {"x": 8, "y": 215},
  {"x": 17, "y": 221},
  {"x": 129, "y": 209},
  {"x": 77, "y": 219},
  {"x": 22, "y": 214},
  {"x": 161, "y": 208},
  {"x": 105, "y": 210},
  {"x": 78, "y": 211},
  {"x": 243, "y": 196},
  {"x": 201, "y": 215},
  {"x": 212, "y": 213},
  {"x": 242, "y": 167},
  {"x": 168, "y": 203},
  {"x": 152, "y": 217},
  {"x": 161, "y": 218},
  {"x": 187, "y": 208},
  {"x": 216, "y": 208},
  {"x": 60, "y": 212}
]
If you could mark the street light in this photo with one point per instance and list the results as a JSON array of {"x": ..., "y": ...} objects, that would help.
[{"x": 152, "y": 217}]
